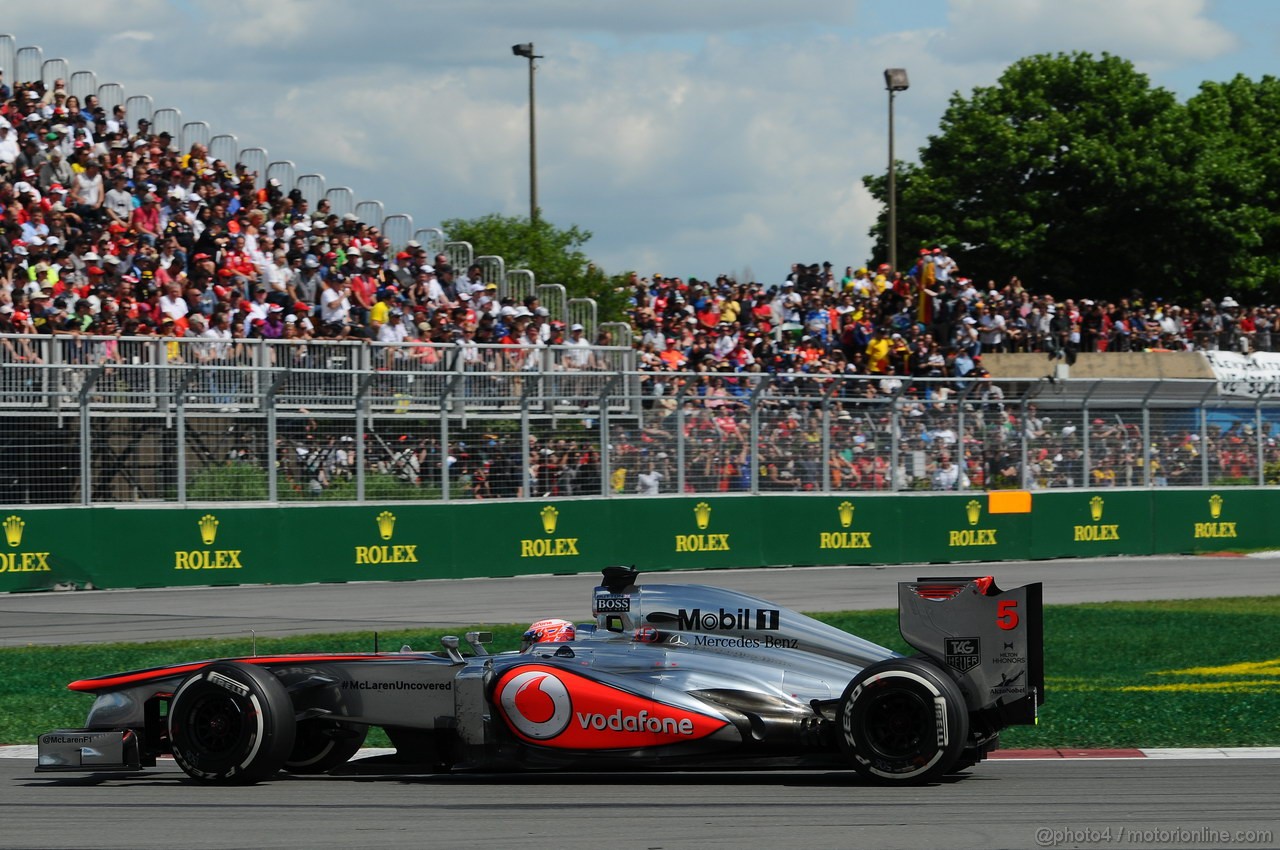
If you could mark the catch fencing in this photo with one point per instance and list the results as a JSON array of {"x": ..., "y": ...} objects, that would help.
[{"x": 146, "y": 420}]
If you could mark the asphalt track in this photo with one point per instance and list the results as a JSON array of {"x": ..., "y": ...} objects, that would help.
[
  {"x": 1002, "y": 803},
  {"x": 141, "y": 615}
]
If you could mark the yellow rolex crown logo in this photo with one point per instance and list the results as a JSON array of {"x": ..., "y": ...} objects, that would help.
[
  {"x": 13, "y": 530},
  {"x": 973, "y": 510},
  {"x": 846, "y": 514},
  {"x": 702, "y": 513},
  {"x": 549, "y": 518},
  {"x": 1095, "y": 508},
  {"x": 208, "y": 528},
  {"x": 1215, "y": 506},
  {"x": 386, "y": 524}
]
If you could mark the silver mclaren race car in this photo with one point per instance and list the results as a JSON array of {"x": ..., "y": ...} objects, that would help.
[{"x": 668, "y": 677}]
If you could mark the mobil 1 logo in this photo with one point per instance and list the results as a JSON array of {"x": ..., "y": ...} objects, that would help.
[{"x": 963, "y": 653}]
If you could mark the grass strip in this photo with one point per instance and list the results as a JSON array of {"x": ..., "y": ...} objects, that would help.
[{"x": 1183, "y": 673}]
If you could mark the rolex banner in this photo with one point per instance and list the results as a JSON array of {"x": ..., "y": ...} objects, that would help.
[
  {"x": 224, "y": 545},
  {"x": 1092, "y": 523}
]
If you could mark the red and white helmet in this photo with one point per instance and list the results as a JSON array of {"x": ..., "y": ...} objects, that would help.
[{"x": 551, "y": 630}]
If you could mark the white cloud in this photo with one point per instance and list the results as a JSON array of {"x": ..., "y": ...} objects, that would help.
[
  {"x": 138, "y": 36},
  {"x": 57, "y": 23},
  {"x": 1145, "y": 31},
  {"x": 692, "y": 138}
]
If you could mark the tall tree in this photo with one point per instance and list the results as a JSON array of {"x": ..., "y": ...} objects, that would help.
[
  {"x": 554, "y": 255},
  {"x": 1236, "y": 218},
  {"x": 1065, "y": 173}
]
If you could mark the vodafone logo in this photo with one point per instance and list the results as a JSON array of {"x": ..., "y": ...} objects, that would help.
[
  {"x": 537, "y": 704},
  {"x": 571, "y": 710}
]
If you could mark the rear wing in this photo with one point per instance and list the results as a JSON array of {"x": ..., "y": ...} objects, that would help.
[{"x": 993, "y": 639}]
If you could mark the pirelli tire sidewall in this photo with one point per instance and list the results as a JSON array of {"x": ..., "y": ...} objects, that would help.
[
  {"x": 903, "y": 721},
  {"x": 231, "y": 723}
]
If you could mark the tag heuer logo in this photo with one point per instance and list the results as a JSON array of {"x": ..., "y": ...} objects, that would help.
[{"x": 963, "y": 654}]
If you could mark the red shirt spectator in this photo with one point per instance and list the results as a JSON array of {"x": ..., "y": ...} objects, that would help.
[
  {"x": 146, "y": 218},
  {"x": 362, "y": 290}
]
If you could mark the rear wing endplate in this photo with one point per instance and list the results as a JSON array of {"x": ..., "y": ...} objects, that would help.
[{"x": 992, "y": 639}]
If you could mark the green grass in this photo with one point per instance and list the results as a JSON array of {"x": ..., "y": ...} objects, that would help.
[
  {"x": 1111, "y": 677},
  {"x": 35, "y": 698}
]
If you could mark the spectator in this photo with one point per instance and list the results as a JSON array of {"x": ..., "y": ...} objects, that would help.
[
  {"x": 948, "y": 476},
  {"x": 87, "y": 193},
  {"x": 335, "y": 306},
  {"x": 649, "y": 482},
  {"x": 9, "y": 148},
  {"x": 56, "y": 170}
]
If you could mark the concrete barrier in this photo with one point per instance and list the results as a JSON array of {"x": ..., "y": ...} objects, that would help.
[{"x": 1116, "y": 364}]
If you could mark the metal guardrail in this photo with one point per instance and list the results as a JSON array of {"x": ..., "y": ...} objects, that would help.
[{"x": 138, "y": 373}]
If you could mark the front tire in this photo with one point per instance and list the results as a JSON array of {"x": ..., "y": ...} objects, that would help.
[
  {"x": 903, "y": 721},
  {"x": 231, "y": 723},
  {"x": 322, "y": 745}
]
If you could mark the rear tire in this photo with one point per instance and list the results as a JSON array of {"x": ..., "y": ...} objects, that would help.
[
  {"x": 903, "y": 721},
  {"x": 231, "y": 723}
]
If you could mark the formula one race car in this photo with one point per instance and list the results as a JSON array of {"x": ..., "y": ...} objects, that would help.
[{"x": 668, "y": 677}]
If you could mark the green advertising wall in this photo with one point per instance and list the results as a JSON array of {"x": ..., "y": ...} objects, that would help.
[{"x": 167, "y": 547}]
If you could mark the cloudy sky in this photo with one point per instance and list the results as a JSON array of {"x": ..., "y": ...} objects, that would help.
[{"x": 692, "y": 138}]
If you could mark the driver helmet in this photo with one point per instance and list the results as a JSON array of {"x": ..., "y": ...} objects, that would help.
[{"x": 552, "y": 630}]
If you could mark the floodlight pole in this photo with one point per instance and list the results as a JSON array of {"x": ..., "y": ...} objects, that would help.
[
  {"x": 895, "y": 80},
  {"x": 527, "y": 51}
]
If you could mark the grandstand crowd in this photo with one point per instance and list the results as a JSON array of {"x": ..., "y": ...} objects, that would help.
[
  {"x": 109, "y": 230},
  {"x": 929, "y": 321}
]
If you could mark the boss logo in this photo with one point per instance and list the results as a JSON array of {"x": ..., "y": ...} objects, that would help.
[{"x": 613, "y": 604}]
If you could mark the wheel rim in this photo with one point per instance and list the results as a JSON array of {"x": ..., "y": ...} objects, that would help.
[
  {"x": 312, "y": 743},
  {"x": 895, "y": 722},
  {"x": 216, "y": 724}
]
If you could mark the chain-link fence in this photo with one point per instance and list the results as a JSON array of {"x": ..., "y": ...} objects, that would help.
[{"x": 108, "y": 421}]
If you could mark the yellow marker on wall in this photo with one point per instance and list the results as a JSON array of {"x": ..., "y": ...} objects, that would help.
[{"x": 1009, "y": 502}]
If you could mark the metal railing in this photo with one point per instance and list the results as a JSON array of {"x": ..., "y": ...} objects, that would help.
[
  {"x": 372, "y": 212},
  {"x": 139, "y": 107},
  {"x": 52, "y": 70},
  {"x": 8, "y": 52},
  {"x": 433, "y": 239},
  {"x": 105, "y": 421},
  {"x": 110, "y": 95},
  {"x": 341, "y": 200},
  {"x": 81, "y": 84},
  {"x": 225, "y": 147},
  {"x": 284, "y": 172},
  {"x": 195, "y": 132},
  {"x": 168, "y": 120},
  {"x": 137, "y": 372}
]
